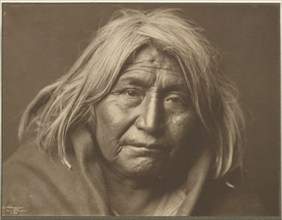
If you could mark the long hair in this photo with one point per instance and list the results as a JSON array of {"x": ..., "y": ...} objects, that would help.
[{"x": 67, "y": 104}]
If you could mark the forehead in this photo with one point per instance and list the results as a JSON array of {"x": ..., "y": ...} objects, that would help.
[
  {"x": 154, "y": 58},
  {"x": 154, "y": 68}
]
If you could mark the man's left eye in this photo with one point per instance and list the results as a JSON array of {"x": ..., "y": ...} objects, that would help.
[{"x": 174, "y": 99}]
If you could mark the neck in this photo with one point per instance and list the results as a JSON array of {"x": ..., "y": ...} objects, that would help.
[
  {"x": 141, "y": 195},
  {"x": 128, "y": 196}
]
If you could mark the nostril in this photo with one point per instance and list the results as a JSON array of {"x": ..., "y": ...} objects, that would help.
[
  {"x": 151, "y": 127},
  {"x": 150, "y": 115}
]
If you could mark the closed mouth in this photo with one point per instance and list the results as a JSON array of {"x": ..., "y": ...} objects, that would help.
[{"x": 143, "y": 151}]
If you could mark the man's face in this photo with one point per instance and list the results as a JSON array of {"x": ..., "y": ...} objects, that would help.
[{"x": 146, "y": 121}]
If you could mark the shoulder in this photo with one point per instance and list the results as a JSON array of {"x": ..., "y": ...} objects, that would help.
[
  {"x": 30, "y": 183},
  {"x": 36, "y": 184},
  {"x": 230, "y": 196}
]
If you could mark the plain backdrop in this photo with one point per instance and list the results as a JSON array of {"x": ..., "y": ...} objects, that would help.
[{"x": 41, "y": 41}]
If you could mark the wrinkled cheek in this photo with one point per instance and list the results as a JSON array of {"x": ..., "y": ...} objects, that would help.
[{"x": 110, "y": 124}]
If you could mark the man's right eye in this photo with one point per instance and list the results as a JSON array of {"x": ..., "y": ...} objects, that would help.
[{"x": 133, "y": 93}]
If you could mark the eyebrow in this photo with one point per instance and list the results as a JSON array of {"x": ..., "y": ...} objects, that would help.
[
  {"x": 149, "y": 65},
  {"x": 141, "y": 82},
  {"x": 133, "y": 80},
  {"x": 176, "y": 87}
]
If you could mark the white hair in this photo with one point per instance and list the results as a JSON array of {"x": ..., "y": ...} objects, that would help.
[{"x": 67, "y": 104}]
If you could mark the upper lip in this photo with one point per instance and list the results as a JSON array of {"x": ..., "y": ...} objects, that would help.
[{"x": 147, "y": 145}]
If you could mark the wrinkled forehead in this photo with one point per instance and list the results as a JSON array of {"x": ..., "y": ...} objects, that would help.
[{"x": 151, "y": 58}]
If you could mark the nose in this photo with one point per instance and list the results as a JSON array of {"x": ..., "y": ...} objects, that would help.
[{"x": 150, "y": 116}]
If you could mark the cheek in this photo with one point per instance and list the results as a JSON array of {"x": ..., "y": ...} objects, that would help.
[
  {"x": 181, "y": 127},
  {"x": 109, "y": 117},
  {"x": 111, "y": 122}
]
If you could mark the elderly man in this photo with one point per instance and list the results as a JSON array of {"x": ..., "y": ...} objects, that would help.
[{"x": 144, "y": 123}]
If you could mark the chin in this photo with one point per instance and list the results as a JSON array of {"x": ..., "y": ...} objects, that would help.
[{"x": 144, "y": 168}]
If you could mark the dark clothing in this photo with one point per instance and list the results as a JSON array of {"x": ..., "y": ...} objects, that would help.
[
  {"x": 35, "y": 184},
  {"x": 219, "y": 199}
]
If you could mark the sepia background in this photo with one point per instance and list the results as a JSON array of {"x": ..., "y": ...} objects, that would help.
[{"x": 41, "y": 41}]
